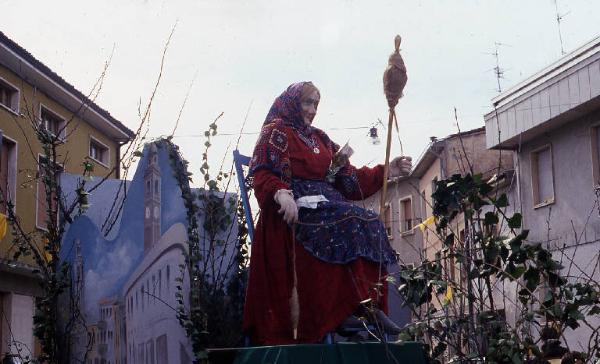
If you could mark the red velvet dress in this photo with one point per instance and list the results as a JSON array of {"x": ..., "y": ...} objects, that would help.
[{"x": 328, "y": 293}]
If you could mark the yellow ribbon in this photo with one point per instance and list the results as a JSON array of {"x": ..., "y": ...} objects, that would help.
[
  {"x": 430, "y": 220},
  {"x": 47, "y": 255},
  {"x": 448, "y": 296},
  {"x": 449, "y": 293}
]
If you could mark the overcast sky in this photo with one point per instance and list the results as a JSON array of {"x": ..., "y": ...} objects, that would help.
[{"x": 242, "y": 54}]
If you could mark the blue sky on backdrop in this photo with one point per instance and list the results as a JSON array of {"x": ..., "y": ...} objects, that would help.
[
  {"x": 242, "y": 54},
  {"x": 109, "y": 262}
]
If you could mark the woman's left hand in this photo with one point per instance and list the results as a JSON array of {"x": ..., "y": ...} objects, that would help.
[{"x": 400, "y": 166}]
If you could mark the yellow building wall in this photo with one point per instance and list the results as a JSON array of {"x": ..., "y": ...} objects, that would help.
[{"x": 71, "y": 154}]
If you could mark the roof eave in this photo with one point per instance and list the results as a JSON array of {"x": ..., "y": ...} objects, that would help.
[
  {"x": 19, "y": 61},
  {"x": 578, "y": 55}
]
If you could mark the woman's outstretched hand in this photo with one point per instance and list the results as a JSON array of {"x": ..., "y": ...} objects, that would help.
[
  {"x": 289, "y": 209},
  {"x": 400, "y": 166}
]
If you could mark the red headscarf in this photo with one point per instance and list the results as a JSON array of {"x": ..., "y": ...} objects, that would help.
[
  {"x": 287, "y": 108},
  {"x": 270, "y": 151}
]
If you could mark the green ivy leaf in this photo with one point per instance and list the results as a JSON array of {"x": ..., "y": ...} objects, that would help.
[
  {"x": 524, "y": 296},
  {"x": 490, "y": 218},
  {"x": 519, "y": 271},
  {"x": 485, "y": 188},
  {"x": 514, "y": 272},
  {"x": 594, "y": 311},
  {"x": 502, "y": 201},
  {"x": 503, "y": 252},
  {"x": 516, "y": 242},
  {"x": 515, "y": 221},
  {"x": 449, "y": 240},
  {"x": 532, "y": 278}
]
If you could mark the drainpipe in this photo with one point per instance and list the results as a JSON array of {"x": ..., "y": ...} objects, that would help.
[
  {"x": 443, "y": 158},
  {"x": 517, "y": 162},
  {"x": 118, "y": 167},
  {"x": 518, "y": 172}
]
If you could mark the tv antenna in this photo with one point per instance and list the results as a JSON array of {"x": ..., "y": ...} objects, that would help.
[
  {"x": 559, "y": 18},
  {"x": 499, "y": 72}
]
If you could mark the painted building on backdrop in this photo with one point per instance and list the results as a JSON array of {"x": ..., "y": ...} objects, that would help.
[{"x": 130, "y": 274}]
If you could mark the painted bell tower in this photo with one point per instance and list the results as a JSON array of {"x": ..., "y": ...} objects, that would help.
[
  {"x": 78, "y": 270},
  {"x": 152, "y": 181}
]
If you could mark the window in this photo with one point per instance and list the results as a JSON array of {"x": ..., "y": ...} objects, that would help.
[
  {"x": 595, "y": 139},
  {"x": 461, "y": 236},
  {"x": 160, "y": 283},
  {"x": 387, "y": 214},
  {"x": 8, "y": 172},
  {"x": 542, "y": 177},
  {"x": 41, "y": 215},
  {"x": 434, "y": 182},
  {"x": 99, "y": 152},
  {"x": 406, "y": 215},
  {"x": 141, "y": 352},
  {"x": 150, "y": 351},
  {"x": 162, "y": 353},
  {"x": 154, "y": 287},
  {"x": 53, "y": 122},
  {"x": 185, "y": 358},
  {"x": 449, "y": 266},
  {"x": 168, "y": 277},
  {"x": 9, "y": 96},
  {"x": 462, "y": 266}
]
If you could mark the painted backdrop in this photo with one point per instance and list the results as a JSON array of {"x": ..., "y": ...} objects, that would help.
[{"x": 126, "y": 280}]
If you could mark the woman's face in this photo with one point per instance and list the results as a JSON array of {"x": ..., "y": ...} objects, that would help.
[{"x": 308, "y": 107}]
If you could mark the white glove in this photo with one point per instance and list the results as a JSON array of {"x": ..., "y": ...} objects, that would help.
[
  {"x": 285, "y": 199},
  {"x": 400, "y": 166}
]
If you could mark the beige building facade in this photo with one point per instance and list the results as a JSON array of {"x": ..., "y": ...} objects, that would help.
[
  {"x": 459, "y": 153},
  {"x": 32, "y": 93},
  {"x": 551, "y": 121},
  {"x": 409, "y": 201}
]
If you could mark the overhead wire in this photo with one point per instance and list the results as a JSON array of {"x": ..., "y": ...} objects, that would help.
[{"x": 364, "y": 127}]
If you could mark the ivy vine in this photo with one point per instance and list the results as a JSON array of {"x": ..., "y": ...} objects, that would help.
[
  {"x": 215, "y": 263},
  {"x": 460, "y": 316}
]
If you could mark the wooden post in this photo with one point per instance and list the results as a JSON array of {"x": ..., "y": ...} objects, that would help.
[{"x": 386, "y": 168}]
